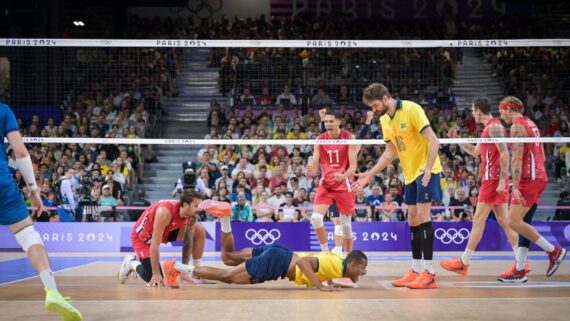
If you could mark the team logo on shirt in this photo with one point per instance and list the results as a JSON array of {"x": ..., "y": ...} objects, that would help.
[{"x": 403, "y": 126}]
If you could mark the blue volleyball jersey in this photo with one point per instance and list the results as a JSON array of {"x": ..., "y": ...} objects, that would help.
[{"x": 8, "y": 124}]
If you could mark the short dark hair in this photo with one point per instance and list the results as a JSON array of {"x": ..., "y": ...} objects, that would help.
[
  {"x": 483, "y": 105},
  {"x": 334, "y": 113},
  {"x": 188, "y": 196},
  {"x": 357, "y": 257}
]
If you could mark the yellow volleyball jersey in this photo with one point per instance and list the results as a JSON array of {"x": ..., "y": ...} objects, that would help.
[
  {"x": 404, "y": 131},
  {"x": 330, "y": 267}
]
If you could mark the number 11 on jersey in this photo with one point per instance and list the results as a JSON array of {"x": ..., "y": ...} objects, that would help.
[{"x": 331, "y": 161}]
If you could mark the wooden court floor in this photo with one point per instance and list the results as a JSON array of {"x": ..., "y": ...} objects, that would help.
[{"x": 96, "y": 292}]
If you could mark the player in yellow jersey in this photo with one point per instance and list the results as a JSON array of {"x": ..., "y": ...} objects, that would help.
[
  {"x": 409, "y": 136},
  {"x": 272, "y": 262}
]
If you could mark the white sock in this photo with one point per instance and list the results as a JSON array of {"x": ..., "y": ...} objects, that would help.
[
  {"x": 134, "y": 264},
  {"x": 197, "y": 262},
  {"x": 515, "y": 249},
  {"x": 337, "y": 249},
  {"x": 48, "y": 280},
  {"x": 522, "y": 253},
  {"x": 226, "y": 225},
  {"x": 466, "y": 257},
  {"x": 428, "y": 265},
  {"x": 183, "y": 267},
  {"x": 325, "y": 247},
  {"x": 417, "y": 265},
  {"x": 545, "y": 245}
]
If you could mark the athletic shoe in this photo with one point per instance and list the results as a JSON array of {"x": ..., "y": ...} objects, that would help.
[
  {"x": 216, "y": 208},
  {"x": 171, "y": 274},
  {"x": 126, "y": 269},
  {"x": 513, "y": 276},
  {"x": 408, "y": 278},
  {"x": 455, "y": 265},
  {"x": 425, "y": 280},
  {"x": 57, "y": 304},
  {"x": 527, "y": 269},
  {"x": 555, "y": 258}
]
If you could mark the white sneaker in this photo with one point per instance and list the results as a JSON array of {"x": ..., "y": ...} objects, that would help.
[
  {"x": 338, "y": 251},
  {"x": 126, "y": 269}
]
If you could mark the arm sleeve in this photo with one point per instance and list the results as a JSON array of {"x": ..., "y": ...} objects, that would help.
[
  {"x": 322, "y": 127},
  {"x": 363, "y": 131}
]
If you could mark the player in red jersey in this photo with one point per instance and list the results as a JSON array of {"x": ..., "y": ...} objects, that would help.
[
  {"x": 338, "y": 164},
  {"x": 162, "y": 222},
  {"x": 529, "y": 181},
  {"x": 494, "y": 194}
]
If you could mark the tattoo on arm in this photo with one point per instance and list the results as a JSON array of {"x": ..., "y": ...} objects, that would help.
[{"x": 516, "y": 163}]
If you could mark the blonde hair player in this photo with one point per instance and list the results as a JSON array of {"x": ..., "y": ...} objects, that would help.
[
  {"x": 338, "y": 164},
  {"x": 494, "y": 192},
  {"x": 529, "y": 181},
  {"x": 14, "y": 214},
  {"x": 271, "y": 262},
  {"x": 409, "y": 136}
]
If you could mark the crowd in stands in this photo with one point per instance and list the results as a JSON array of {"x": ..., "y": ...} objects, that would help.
[
  {"x": 277, "y": 93},
  {"x": 109, "y": 93}
]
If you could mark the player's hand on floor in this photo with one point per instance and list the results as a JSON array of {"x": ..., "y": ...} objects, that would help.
[
  {"x": 327, "y": 288},
  {"x": 156, "y": 280}
]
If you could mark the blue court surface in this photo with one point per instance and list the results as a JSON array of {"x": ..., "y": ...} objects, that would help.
[{"x": 21, "y": 269}]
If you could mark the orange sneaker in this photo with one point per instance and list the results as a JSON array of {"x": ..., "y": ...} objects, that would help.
[
  {"x": 513, "y": 268},
  {"x": 408, "y": 278},
  {"x": 455, "y": 265},
  {"x": 424, "y": 281},
  {"x": 216, "y": 208},
  {"x": 171, "y": 274}
]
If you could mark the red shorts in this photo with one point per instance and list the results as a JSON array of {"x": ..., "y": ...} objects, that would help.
[
  {"x": 531, "y": 192},
  {"x": 488, "y": 193},
  {"x": 344, "y": 199},
  {"x": 142, "y": 250}
]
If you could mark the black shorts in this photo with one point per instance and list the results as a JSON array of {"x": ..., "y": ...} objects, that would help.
[{"x": 268, "y": 263}]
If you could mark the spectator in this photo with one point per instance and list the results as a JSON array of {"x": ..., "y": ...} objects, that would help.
[
  {"x": 288, "y": 211},
  {"x": 107, "y": 199},
  {"x": 461, "y": 214},
  {"x": 242, "y": 212},
  {"x": 263, "y": 209},
  {"x": 286, "y": 97},
  {"x": 388, "y": 212}
]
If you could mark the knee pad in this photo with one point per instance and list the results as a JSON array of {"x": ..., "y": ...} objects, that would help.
[
  {"x": 338, "y": 230},
  {"x": 346, "y": 223},
  {"x": 317, "y": 220},
  {"x": 27, "y": 237},
  {"x": 524, "y": 242}
]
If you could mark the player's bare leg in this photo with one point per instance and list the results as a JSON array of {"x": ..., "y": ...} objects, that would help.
[{"x": 317, "y": 220}]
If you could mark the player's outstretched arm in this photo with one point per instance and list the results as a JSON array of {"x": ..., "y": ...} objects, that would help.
[
  {"x": 308, "y": 265},
  {"x": 472, "y": 150},
  {"x": 386, "y": 159},
  {"x": 497, "y": 131},
  {"x": 314, "y": 166}
]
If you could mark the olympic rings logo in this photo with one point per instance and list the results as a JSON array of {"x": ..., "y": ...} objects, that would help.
[
  {"x": 452, "y": 235},
  {"x": 262, "y": 236}
]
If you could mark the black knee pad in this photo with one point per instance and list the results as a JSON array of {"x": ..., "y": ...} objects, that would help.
[{"x": 524, "y": 242}]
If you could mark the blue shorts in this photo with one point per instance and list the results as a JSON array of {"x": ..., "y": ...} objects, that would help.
[
  {"x": 12, "y": 206},
  {"x": 268, "y": 263},
  {"x": 415, "y": 192}
]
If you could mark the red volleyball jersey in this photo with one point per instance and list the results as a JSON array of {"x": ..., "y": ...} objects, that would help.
[
  {"x": 533, "y": 159},
  {"x": 490, "y": 155},
  {"x": 334, "y": 159},
  {"x": 144, "y": 226}
]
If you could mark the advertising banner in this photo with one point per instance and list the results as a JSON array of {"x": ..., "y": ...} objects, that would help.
[{"x": 373, "y": 236}]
